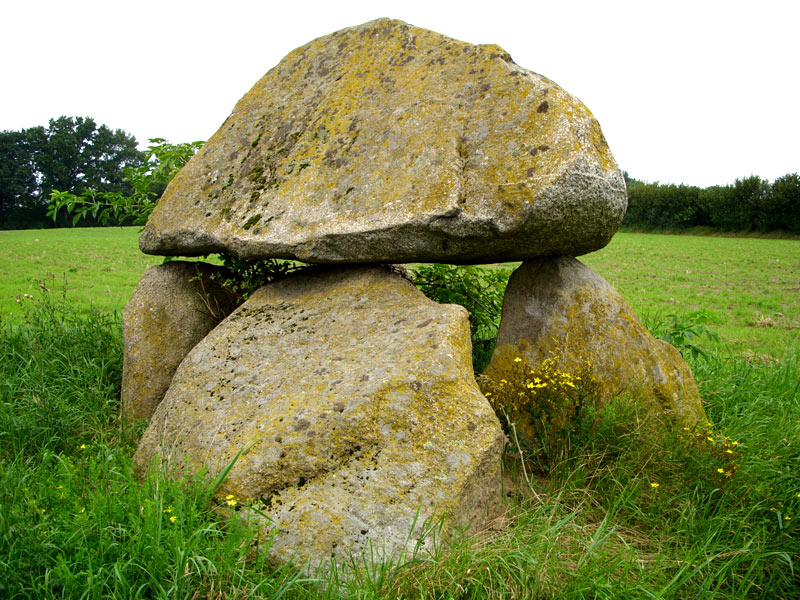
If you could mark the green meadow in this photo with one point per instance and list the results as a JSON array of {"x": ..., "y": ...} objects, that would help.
[
  {"x": 635, "y": 507},
  {"x": 90, "y": 266},
  {"x": 750, "y": 287}
]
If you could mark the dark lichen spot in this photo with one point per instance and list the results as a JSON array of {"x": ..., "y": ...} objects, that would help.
[
  {"x": 531, "y": 171},
  {"x": 302, "y": 424},
  {"x": 543, "y": 107},
  {"x": 252, "y": 220}
]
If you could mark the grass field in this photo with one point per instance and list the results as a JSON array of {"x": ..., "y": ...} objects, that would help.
[
  {"x": 637, "y": 508},
  {"x": 91, "y": 266},
  {"x": 751, "y": 287}
]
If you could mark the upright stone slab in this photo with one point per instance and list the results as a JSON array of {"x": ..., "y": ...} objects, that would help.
[
  {"x": 390, "y": 143},
  {"x": 352, "y": 401},
  {"x": 558, "y": 307},
  {"x": 174, "y": 306}
]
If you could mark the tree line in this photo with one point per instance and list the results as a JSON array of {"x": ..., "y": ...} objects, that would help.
[
  {"x": 70, "y": 153},
  {"x": 50, "y": 175},
  {"x": 750, "y": 204}
]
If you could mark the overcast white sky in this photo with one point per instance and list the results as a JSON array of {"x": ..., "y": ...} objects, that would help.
[{"x": 698, "y": 92}]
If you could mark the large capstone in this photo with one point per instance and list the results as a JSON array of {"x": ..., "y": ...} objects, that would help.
[
  {"x": 350, "y": 401},
  {"x": 174, "y": 306},
  {"x": 560, "y": 309},
  {"x": 390, "y": 143}
]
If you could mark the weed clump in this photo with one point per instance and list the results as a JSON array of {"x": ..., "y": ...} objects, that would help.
[{"x": 539, "y": 405}]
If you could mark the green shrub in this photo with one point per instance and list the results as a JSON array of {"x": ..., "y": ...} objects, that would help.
[
  {"x": 684, "y": 331},
  {"x": 478, "y": 289}
]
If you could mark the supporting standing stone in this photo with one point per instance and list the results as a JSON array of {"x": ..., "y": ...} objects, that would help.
[
  {"x": 557, "y": 307},
  {"x": 174, "y": 306},
  {"x": 349, "y": 399}
]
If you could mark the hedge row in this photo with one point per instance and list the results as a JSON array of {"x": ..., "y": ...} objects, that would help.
[{"x": 750, "y": 204}]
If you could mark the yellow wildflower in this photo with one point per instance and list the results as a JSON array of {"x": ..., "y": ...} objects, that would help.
[
  {"x": 518, "y": 359},
  {"x": 720, "y": 470},
  {"x": 173, "y": 518},
  {"x": 654, "y": 485},
  {"x": 230, "y": 500}
]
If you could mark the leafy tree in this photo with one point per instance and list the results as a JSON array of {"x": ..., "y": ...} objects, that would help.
[
  {"x": 74, "y": 154},
  {"x": 145, "y": 183},
  {"x": 71, "y": 154},
  {"x": 783, "y": 206},
  {"x": 17, "y": 176}
]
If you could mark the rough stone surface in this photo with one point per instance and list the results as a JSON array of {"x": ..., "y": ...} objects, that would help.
[
  {"x": 352, "y": 400},
  {"x": 390, "y": 143},
  {"x": 558, "y": 307},
  {"x": 164, "y": 319}
]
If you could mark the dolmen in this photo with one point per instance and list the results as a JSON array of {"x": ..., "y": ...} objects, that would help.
[{"x": 340, "y": 401}]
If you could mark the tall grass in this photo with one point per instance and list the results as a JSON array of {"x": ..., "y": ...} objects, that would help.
[
  {"x": 74, "y": 521},
  {"x": 637, "y": 508}
]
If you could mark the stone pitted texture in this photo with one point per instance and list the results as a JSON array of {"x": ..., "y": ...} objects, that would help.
[
  {"x": 390, "y": 143},
  {"x": 558, "y": 307},
  {"x": 164, "y": 319},
  {"x": 353, "y": 400}
]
